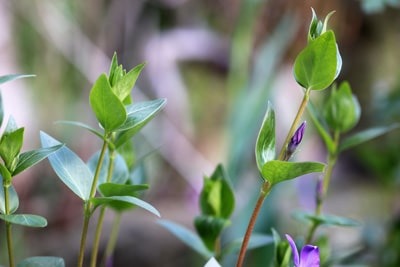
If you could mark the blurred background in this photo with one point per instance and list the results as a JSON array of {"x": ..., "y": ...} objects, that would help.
[{"x": 218, "y": 63}]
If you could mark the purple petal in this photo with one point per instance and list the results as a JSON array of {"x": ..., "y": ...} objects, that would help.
[
  {"x": 294, "y": 249},
  {"x": 309, "y": 256}
]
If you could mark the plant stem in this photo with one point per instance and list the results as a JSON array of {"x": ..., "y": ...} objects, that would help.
[
  {"x": 266, "y": 188},
  {"x": 331, "y": 162},
  {"x": 96, "y": 243},
  {"x": 113, "y": 238},
  {"x": 8, "y": 224},
  {"x": 295, "y": 123},
  {"x": 88, "y": 206}
]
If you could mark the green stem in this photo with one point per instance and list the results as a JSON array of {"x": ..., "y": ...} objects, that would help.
[
  {"x": 266, "y": 188},
  {"x": 89, "y": 206},
  {"x": 331, "y": 162},
  {"x": 96, "y": 243},
  {"x": 113, "y": 238},
  {"x": 8, "y": 225},
  {"x": 295, "y": 123}
]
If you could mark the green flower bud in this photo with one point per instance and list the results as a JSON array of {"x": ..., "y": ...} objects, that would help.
[{"x": 342, "y": 110}]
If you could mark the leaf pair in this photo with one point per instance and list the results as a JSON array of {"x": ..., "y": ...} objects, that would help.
[{"x": 275, "y": 171}]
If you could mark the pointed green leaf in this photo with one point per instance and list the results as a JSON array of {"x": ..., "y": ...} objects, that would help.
[
  {"x": 277, "y": 171},
  {"x": 124, "y": 86},
  {"x": 188, "y": 237},
  {"x": 256, "y": 240},
  {"x": 11, "y": 144},
  {"x": 112, "y": 74},
  {"x": 139, "y": 114},
  {"x": 30, "y": 158},
  {"x": 265, "y": 144},
  {"x": 7, "y": 78},
  {"x": 316, "y": 66},
  {"x": 109, "y": 110},
  {"x": 42, "y": 262},
  {"x": 120, "y": 203},
  {"x": 72, "y": 171},
  {"x": 84, "y": 126},
  {"x": 25, "y": 220},
  {"x": 112, "y": 189},
  {"x": 366, "y": 135},
  {"x": 120, "y": 171},
  {"x": 13, "y": 198},
  {"x": 324, "y": 219}
]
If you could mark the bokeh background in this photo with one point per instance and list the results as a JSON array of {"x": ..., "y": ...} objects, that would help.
[{"x": 218, "y": 63}]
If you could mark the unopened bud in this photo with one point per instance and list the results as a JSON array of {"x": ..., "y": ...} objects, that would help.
[{"x": 295, "y": 140}]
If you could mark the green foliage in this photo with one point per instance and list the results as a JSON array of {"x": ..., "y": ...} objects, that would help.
[
  {"x": 342, "y": 111},
  {"x": 317, "y": 65},
  {"x": 25, "y": 220},
  {"x": 188, "y": 237},
  {"x": 69, "y": 167},
  {"x": 256, "y": 240},
  {"x": 282, "y": 251},
  {"x": 277, "y": 171},
  {"x": 108, "y": 108},
  {"x": 265, "y": 144},
  {"x": 325, "y": 219},
  {"x": 121, "y": 203},
  {"x": 13, "y": 198},
  {"x": 10, "y": 145},
  {"x": 120, "y": 172}
]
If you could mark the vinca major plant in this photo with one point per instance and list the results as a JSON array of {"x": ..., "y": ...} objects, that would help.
[
  {"x": 315, "y": 69},
  {"x": 106, "y": 180}
]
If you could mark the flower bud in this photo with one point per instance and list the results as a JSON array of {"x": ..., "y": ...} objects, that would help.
[
  {"x": 295, "y": 141},
  {"x": 342, "y": 110}
]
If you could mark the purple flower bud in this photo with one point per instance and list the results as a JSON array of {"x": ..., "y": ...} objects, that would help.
[{"x": 295, "y": 140}]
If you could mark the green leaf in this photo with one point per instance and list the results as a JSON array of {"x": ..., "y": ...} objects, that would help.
[
  {"x": 138, "y": 115},
  {"x": 277, "y": 171},
  {"x": 84, "y": 126},
  {"x": 25, "y": 220},
  {"x": 120, "y": 203},
  {"x": 114, "y": 74},
  {"x": 11, "y": 144},
  {"x": 217, "y": 198},
  {"x": 324, "y": 219},
  {"x": 282, "y": 251},
  {"x": 7, "y": 78},
  {"x": 212, "y": 262},
  {"x": 316, "y": 66},
  {"x": 30, "y": 158},
  {"x": 112, "y": 189},
  {"x": 13, "y": 198},
  {"x": 42, "y": 262},
  {"x": 120, "y": 171},
  {"x": 265, "y": 144},
  {"x": 209, "y": 229},
  {"x": 72, "y": 171},
  {"x": 256, "y": 240},
  {"x": 109, "y": 110},
  {"x": 366, "y": 135},
  {"x": 124, "y": 86},
  {"x": 188, "y": 237}
]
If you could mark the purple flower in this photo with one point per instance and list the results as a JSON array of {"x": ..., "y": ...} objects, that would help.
[
  {"x": 295, "y": 140},
  {"x": 309, "y": 255}
]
